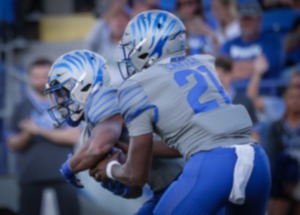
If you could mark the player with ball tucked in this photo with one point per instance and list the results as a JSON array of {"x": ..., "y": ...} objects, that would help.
[
  {"x": 181, "y": 98},
  {"x": 79, "y": 89}
]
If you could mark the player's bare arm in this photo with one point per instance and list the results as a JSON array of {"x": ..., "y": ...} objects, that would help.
[
  {"x": 135, "y": 171},
  {"x": 103, "y": 138},
  {"x": 160, "y": 149}
]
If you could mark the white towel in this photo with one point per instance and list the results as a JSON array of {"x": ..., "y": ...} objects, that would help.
[{"x": 242, "y": 172}]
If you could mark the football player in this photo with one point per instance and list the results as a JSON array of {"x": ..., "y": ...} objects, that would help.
[
  {"x": 78, "y": 86},
  {"x": 181, "y": 98}
]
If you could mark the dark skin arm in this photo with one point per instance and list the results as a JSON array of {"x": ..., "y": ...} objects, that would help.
[
  {"x": 103, "y": 138},
  {"x": 160, "y": 150},
  {"x": 135, "y": 171}
]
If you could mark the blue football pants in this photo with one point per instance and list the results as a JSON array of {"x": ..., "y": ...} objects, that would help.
[{"x": 205, "y": 185}]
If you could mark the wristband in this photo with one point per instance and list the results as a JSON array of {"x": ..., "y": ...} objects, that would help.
[{"x": 109, "y": 168}]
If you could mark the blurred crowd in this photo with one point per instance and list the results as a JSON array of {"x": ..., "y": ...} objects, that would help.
[{"x": 257, "y": 49}]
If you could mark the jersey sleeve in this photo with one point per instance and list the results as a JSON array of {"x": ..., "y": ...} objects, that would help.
[
  {"x": 102, "y": 105},
  {"x": 139, "y": 115}
]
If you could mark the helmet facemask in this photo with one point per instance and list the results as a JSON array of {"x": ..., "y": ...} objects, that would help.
[
  {"x": 125, "y": 66},
  {"x": 72, "y": 79},
  {"x": 63, "y": 107}
]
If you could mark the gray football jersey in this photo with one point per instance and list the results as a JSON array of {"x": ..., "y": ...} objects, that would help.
[
  {"x": 102, "y": 105},
  {"x": 185, "y": 103}
]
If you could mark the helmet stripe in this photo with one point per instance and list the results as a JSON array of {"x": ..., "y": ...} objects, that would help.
[
  {"x": 63, "y": 65},
  {"x": 134, "y": 34},
  {"x": 80, "y": 55},
  {"x": 74, "y": 60}
]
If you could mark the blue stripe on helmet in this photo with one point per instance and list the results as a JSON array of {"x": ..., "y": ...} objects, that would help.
[
  {"x": 63, "y": 65},
  {"x": 74, "y": 60}
]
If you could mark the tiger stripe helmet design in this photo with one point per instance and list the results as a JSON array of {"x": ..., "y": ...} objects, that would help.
[
  {"x": 72, "y": 78},
  {"x": 150, "y": 37}
]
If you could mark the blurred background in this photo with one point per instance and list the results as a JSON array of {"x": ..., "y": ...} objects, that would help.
[{"x": 257, "y": 49}]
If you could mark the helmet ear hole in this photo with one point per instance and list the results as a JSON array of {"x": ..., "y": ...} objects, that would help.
[
  {"x": 86, "y": 88},
  {"x": 143, "y": 56}
]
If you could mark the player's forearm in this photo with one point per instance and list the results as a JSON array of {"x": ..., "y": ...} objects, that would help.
[
  {"x": 67, "y": 136},
  {"x": 81, "y": 163},
  {"x": 82, "y": 160},
  {"x": 128, "y": 176},
  {"x": 135, "y": 171},
  {"x": 19, "y": 141},
  {"x": 160, "y": 149},
  {"x": 90, "y": 154}
]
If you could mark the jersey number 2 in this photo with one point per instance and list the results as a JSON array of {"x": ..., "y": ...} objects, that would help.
[{"x": 200, "y": 88}]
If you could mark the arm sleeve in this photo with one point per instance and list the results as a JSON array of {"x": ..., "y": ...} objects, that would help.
[
  {"x": 102, "y": 105},
  {"x": 135, "y": 109}
]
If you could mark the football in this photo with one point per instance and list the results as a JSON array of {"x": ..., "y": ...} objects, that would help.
[{"x": 122, "y": 157}]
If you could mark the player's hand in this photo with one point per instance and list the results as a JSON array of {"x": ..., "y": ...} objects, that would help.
[
  {"x": 69, "y": 175},
  {"x": 99, "y": 171},
  {"x": 116, "y": 188}
]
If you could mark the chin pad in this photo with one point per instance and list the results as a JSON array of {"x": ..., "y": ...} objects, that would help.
[{"x": 72, "y": 123}]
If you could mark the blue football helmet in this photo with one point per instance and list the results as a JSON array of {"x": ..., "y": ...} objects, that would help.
[
  {"x": 72, "y": 78},
  {"x": 150, "y": 37}
]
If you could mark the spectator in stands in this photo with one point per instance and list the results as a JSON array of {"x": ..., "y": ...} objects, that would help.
[
  {"x": 201, "y": 39},
  {"x": 269, "y": 108},
  {"x": 40, "y": 148},
  {"x": 226, "y": 15},
  {"x": 253, "y": 43},
  {"x": 284, "y": 152},
  {"x": 224, "y": 69},
  {"x": 292, "y": 45},
  {"x": 105, "y": 36}
]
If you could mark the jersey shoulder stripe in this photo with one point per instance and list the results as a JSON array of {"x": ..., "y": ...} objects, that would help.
[
  {"x": 102, "y": 105},
  {"x": 133, "y": 101}
]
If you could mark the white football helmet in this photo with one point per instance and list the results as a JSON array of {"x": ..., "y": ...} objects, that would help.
[
  {"x": 150, "y": 37},
  {"x": 72, "y": 78}
]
